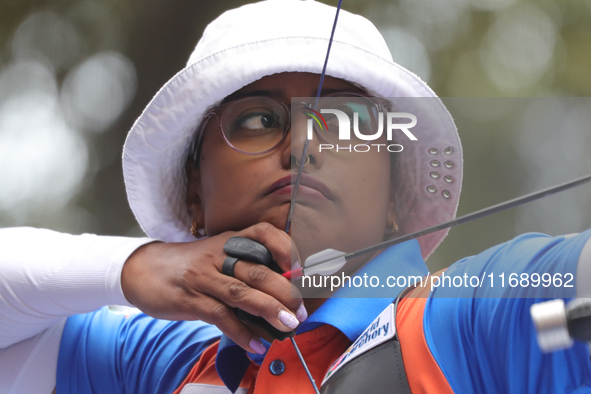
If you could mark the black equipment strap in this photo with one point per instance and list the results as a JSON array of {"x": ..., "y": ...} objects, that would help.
[{"x": 379, "y": 370}]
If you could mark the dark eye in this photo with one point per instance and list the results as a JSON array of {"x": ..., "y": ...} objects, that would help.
[{"x": 257, "y": 121}]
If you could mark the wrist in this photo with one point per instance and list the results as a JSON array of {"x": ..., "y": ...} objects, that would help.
[{"x": 134, "y": 269}]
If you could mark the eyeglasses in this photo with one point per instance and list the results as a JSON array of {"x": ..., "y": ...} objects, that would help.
[{"x": 258, "y": 125}]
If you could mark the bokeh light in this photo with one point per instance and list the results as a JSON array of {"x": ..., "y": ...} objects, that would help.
[
  {"x": 46, "y": 35},
  {"x": 519, "y": 48},
  {"x": 42, "y": 159},
  {"x": 96, "y": 92},
  {"x": 555, "y": 128}
]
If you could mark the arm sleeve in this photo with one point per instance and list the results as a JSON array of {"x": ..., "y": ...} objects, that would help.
[
  {"x": 103, "y": 352},
  {"x": 487, "y": 343},
  {"x": 46, "y": 276}
]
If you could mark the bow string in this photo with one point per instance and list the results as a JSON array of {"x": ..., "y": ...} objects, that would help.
[{"x": 296, "y": 185}]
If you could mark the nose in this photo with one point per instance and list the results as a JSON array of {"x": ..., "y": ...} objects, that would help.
[{"x": 296, "y": 138}]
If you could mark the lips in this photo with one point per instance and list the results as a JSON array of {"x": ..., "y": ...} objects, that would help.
[{"x": 308, "y": 186}]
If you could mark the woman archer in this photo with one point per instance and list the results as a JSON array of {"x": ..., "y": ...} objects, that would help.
[{"x": 212, "y": 157}]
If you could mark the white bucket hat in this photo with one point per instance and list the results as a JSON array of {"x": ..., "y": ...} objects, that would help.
[{"x": 274, "y": 36}]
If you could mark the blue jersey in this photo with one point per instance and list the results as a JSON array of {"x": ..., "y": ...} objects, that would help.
[
  {"x": 488, "y": 344},
  {"x": 476, "y": 343}
]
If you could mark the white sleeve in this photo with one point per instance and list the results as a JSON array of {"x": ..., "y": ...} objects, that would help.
[
  {"x": 46, "y": 276},
  {"x": 583, "y": 283}
]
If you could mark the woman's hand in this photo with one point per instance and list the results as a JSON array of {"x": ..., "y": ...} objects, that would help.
[{"x": 184, "y": 281}]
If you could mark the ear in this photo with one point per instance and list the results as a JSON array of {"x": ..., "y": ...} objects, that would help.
[{"x": 194, "y": 201}]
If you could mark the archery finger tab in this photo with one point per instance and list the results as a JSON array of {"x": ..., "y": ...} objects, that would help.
[
  {"x": 229, "y": 264},
  {"x": 248, "y": 249},
  {"x": 241, "y": 248},
  {"x": 278, "y": 243}
]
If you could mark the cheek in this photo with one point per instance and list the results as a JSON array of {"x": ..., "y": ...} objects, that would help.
[
  {"x": 370, "y": 193},
  {"x": 363, "y": 207},
  {"x": 233, "y": 187},
  {"x": 224, "y": 185},
  {"x": 225, "y": 200}
]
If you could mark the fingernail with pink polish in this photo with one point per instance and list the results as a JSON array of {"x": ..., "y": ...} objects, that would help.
[
  {"x": 257, "y": 346},
  {"x": 302, "y": 313},
  {"x": 288, "y": 319}
]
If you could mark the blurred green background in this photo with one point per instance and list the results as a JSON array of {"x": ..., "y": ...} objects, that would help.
[{"x": 75, "y": 74}]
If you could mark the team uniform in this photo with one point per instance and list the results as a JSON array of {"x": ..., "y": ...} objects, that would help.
[{"x": 459, "y": 344}]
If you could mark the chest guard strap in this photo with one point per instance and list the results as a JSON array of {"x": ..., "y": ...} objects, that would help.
[{"x": 377, "y": 370}]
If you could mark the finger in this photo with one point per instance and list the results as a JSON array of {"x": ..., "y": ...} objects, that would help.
[
  {"x": 269, "y": 282},
  {"x": 214, "y": 312},
  {"x": 239, "y": 295}
]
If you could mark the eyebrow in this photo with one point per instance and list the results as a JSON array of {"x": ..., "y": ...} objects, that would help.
[
  {"x": 274, "y": 93},
  {"x": 324, "y": 92}
]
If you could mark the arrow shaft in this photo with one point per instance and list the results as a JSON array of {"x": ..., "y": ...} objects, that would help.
[{"x": 468, "y": 218}]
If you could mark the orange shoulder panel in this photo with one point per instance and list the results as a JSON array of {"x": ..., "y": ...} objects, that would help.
[
  {"x": 422, "y": 371},
  {"x": 204, "y": 371}
]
